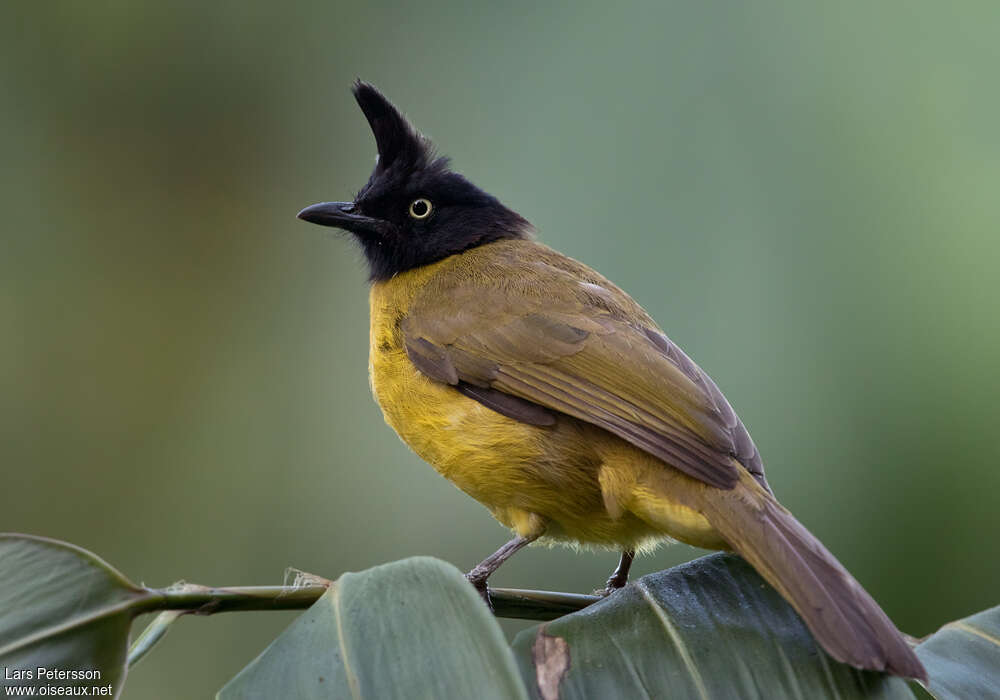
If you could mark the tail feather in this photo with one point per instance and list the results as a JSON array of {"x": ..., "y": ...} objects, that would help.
[{"x": 845, "y": 620}]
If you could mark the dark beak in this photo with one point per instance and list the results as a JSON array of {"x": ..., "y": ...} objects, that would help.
[{"x": 342, "y": 215}]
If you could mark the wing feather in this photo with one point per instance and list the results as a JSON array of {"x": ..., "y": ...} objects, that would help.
[{"x": 586, "y": 350}]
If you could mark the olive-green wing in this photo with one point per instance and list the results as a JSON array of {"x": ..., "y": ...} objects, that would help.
[{"x": 544, "y": 338}]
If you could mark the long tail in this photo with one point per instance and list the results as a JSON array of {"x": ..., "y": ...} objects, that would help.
[{"x": 845, "y": 620}]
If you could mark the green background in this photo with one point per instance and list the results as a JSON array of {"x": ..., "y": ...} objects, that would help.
[{"x": 805, "y": 197}]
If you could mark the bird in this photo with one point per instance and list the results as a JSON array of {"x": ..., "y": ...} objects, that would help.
[{"x": 546, "y": 393}]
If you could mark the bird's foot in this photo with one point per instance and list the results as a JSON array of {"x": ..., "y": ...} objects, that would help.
[
  {"x": 481, "y": 587},
  {"x": 606, "y": 591},
  {"x": 619, "y": 577},
  {"x": 615, "y": 583}
]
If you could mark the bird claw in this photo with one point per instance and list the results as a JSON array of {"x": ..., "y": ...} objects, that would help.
[
  {"x": 606, "y": 591},
  {"x": 482, "y": 588}
]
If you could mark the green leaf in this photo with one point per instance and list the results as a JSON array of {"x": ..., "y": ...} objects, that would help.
[
  {"x": 410, "y": 629},
  {"x": 62, "y": 608},
  {"x": 712, "y": 628},
  {"x": 151, "y": 636},
  {"x": 963, "y": 658}
]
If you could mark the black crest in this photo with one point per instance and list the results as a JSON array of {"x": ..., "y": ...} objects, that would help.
[{"x": 399, "y": 145}]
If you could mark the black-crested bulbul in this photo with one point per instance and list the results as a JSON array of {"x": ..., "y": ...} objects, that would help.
[{"x": 546, "y": 393}]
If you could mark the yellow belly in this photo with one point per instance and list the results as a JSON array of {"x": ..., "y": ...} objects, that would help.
[{"x": 581, "y": 484}]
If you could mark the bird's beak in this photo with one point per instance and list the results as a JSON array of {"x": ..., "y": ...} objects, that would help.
[{"x": 342, "y": 215}]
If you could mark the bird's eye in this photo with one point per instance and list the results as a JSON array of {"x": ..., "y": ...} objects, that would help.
[{"x": 420, "y": 208}]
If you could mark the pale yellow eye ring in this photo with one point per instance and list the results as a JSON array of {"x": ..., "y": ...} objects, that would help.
[{"x": 420, "y": 208}]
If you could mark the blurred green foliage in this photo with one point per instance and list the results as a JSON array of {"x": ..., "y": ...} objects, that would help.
[{"x": 803, "y": 195}]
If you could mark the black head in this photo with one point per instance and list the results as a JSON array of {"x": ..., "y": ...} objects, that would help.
[{"x": 414, "y": 210}]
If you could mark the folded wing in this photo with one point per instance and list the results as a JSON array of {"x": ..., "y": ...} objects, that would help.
[{"x": 585, "y": 349}]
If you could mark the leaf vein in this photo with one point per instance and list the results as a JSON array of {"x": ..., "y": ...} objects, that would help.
[
  {"x": 966, "y": 627},
  {"x": 352, "y": 679},
  {"x": 80, "y": 621},
  {"x": 676, "y": 639}
]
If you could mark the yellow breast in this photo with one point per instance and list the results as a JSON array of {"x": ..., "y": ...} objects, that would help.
[
  {"x": 459, "y": 437},
  {"x": 577, "y": 479}
]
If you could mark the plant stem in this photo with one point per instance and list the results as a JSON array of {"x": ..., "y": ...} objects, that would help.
[
  {"x": 537, "y": 605},
  {"x": 203, "y": 600}
]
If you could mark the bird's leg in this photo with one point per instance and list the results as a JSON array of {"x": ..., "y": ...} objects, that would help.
[
  {"x": 620, "y": 576},
  {"x": 482, "y": 571}
]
